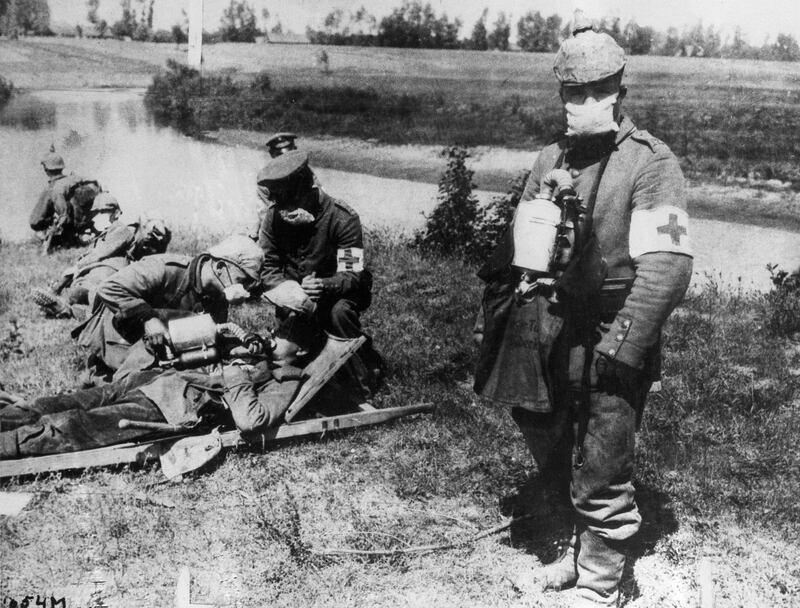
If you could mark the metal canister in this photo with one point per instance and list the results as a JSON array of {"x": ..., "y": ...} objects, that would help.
[
  {"x": 535, "y": 233},
  {"x": 194, "y": 340}
]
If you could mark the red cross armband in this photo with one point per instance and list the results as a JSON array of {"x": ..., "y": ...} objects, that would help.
[
  {"x": 659, "y": 229},
  {"x": 350, "y": 259}
]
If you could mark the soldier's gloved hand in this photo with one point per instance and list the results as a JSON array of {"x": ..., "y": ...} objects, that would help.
[
  {"x": 156, "y": 336},
  {"x": 255, "y": 344},
  {"x": 617, "y": 378}
]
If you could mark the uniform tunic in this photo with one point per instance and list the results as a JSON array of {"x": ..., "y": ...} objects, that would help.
[
  {"x": 642, "y": 227},
  {"x": 294, "y": 252},
  {"x": 52, "y": 204}
]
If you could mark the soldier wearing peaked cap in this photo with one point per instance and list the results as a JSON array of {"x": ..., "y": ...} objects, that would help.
[
  {"x": 316, "y": 241},
  {"x": 575, "y": 366}
]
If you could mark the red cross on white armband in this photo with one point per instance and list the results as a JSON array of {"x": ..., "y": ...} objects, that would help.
[
  {"x": 350, "y": 259},
  {"x": 660, "y": 229}
]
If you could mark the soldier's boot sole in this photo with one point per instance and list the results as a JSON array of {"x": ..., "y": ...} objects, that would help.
[{"x": 51, "y": 304}]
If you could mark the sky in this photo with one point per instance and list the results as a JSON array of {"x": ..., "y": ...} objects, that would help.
[{"x": 757, "y": 19}]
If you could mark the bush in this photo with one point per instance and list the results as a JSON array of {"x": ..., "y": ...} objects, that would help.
[
  {"x": 184, "y": 99},
  {"x": 27, "y": 112},
  {"x": 6, "y": 91},
  {"x": 450, "y": 228},
  {"x": 163, "y": 36},
  {"x": 497, "y": 215}
]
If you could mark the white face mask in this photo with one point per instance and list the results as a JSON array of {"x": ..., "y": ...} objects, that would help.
[
  {"x": 592, "y": 118},
  {"x": 236, "y": 294},
  {"x": 101, "y": 221},
  {"x": 296, "y": 217}
]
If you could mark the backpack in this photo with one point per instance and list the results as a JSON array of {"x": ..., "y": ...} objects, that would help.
[{"x": 80, "y": 194}]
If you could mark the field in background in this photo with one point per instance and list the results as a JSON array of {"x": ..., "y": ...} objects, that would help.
[{"x": 70, "y": 63}]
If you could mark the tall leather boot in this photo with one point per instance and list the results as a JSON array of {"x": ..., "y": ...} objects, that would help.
[
  {"x": 600, "y": 563},
  {"x": 563, "y": 572}
]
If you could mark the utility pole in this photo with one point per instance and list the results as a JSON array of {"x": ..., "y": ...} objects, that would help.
[{"x": 195, "y": 34}]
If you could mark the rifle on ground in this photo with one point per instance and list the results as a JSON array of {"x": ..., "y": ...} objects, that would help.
[{"x": 54, "y": 231}]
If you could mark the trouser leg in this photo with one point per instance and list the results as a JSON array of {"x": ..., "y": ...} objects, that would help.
[
  {"x": 342, "y": 319},
  {"x": 602, "y": 489},
  {"x": 29, "y": 412},
  {"x": 78, "y": 429}
]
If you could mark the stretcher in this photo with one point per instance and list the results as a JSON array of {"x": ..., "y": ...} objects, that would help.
[{"x": 184, "y": 452}]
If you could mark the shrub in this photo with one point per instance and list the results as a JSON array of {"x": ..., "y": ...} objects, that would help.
[
  {"x": 497, "y": 215},
  {"x": 450, "y": 228},
  {"x": 28, "y": 112},
  {"x": 163, "y": 36},
  {"x": 6, "y": 91},
  {"x": 182, "y": 98}
]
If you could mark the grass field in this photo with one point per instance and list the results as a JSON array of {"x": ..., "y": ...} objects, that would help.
[{"x": 717, "y": 477}]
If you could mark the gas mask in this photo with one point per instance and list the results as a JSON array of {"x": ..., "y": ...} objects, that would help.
[
  {"x": 593, "y": 118},
  {"x": 296, "y": 217},
  {"x": 235, "y": 293},
  {"x": 101, "y": 221}
]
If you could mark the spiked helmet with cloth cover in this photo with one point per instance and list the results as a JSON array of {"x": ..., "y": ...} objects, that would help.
[
  {"x": 53, "y": 162},
  {"x": 587, "y": 56}
]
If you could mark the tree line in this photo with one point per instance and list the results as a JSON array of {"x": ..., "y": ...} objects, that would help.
[
  {"x": 239, "y": 22},
  {"x": 410, "y": 25},
  {"x": 416, "y": 25}
]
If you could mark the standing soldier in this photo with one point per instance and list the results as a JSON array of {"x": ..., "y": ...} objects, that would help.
[
  {"x": 576, "y": 363},
  {"x": 315, "y": 240}
]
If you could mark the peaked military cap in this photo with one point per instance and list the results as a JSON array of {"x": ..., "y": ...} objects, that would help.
[
  {"x": 280, "y": 143},
  {"x": 282, "y": 166}
]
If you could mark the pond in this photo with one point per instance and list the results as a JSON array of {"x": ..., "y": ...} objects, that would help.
[{"x": 106, "y": 135}]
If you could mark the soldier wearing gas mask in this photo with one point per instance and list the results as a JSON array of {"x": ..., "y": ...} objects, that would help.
[
  {"x": 310, "y": 238},
  {"x": 117, "y": 245},
  {"x": 574, "y": 348},
  {"x": 136, "y": 302}
]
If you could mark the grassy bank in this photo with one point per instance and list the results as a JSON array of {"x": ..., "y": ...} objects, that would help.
[{"x": 717, "y": 475}]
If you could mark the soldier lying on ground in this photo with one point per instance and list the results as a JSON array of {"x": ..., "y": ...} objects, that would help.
[
  {"x": 62, "y": 216},
  {"x": 114, "y": 248},
  {"x": 138, "y": 300},
  {"x": 251, "y": 392}
]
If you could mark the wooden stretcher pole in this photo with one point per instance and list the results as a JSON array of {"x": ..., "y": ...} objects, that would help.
[{"x": 142, "y": 452}]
